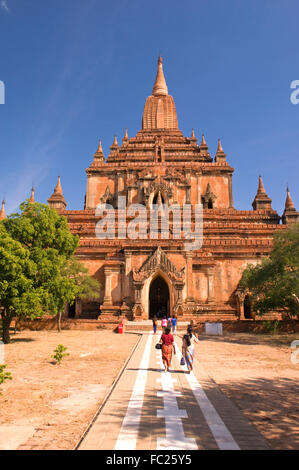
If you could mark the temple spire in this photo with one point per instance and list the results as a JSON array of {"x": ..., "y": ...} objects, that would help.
[
  {"x": 220, "y": 155},
  {"x": 57, "y": 200},
  {"x": 219, "y": 149},
  {"x": 58, "y": 188},
  {"x": 2, "y": 212},
  {"x": 289, "y": 202},
  {"x": 203, "y": 141},
  {"x": 115, "y": 143},
  {"x": 290, "y": 215},
  {"x": 261, "y": 189},
  {"x": 126, "y": 137},
  {"x": 160, "y": 87},
  {"x": 100, "y": 150},
  {"x": 32, "y": 200},
  {"x": 261, "y": 200}
]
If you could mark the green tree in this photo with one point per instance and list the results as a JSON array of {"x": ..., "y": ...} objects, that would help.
[
  {"x": 38, "y": 270},
  {"x": 274, "y": 283},
  {"x": 71, "y": 281},
  {"x": 17, "y": 290}
]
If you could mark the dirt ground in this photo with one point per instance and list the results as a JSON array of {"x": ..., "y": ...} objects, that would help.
[
  {"x": 256, "y": 372},
  {"x": 48, "y": 406}
]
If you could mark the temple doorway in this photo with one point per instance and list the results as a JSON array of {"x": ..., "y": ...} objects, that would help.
[
  {"x": 247, "y": 307},
  {"x": 72, "y": 310},
  {"x": 158, "y": 298}
]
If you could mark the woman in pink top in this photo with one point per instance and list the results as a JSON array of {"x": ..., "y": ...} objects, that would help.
[
  {"x": 168, "y": 347},
  {"x": 163, "y": 324}
]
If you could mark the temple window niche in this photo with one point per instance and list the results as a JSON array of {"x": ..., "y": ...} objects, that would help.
[{"x": 208, "y": 199}]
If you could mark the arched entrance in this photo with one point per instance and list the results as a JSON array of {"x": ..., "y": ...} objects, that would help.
[{"x": 158, "y": 298}]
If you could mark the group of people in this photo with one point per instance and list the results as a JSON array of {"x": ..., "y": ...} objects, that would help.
[
  {"x": 168, "y": 348},
  {"x": 170, "y": 322}
]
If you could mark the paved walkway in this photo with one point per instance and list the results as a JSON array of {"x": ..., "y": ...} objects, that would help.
[{"x": 153, "y": 410}]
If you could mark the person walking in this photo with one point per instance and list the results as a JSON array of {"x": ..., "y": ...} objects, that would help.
[
  {"x": 173, "y": 324},
  {"x": 189, "y": 341},
  {"x": 155, "y": 324},
  {"x": 164, "y": 324},
  {"x": 168, "y": 348}
]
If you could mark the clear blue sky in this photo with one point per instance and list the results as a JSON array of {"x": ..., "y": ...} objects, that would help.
[{"x": 76, "y": 71}]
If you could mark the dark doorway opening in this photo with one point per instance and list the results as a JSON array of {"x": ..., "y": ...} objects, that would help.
[
  {"x": 247, "y": 307},
  {"x": 158, "y": 298},
  {"x": 72, "y": 310}
]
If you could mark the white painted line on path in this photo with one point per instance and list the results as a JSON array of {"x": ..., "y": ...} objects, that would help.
[
  {"x": 175, "y": 438},
  {"x": 127, "y": 438},
  {"x": 222, "y": 436}
]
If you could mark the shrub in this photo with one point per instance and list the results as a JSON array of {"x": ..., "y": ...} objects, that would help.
[
  {"x": 4, "y": 375},
  {"x": 60, "y": 353},
  {"x": 271, "y": 326}
]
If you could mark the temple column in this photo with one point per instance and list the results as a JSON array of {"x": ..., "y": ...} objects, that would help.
[
  {"x": 126, "y": 274},
  {"x": 230, "y": 192},
  {"x": 210, "y": 276},
  {"x": 198, "y": 189},
  {"x": 240, "y": 304},
  {"x": 107, "y": 296},
  {"x": 189, "y": 256}
]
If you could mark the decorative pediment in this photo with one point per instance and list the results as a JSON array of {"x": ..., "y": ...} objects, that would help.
[
  {"x": 146, "y": 174},
  {"x": 107, "y": 198},
  {"x": 155, "y": 187},
  {"x": 175, "y": 175},
  {"x": 158, "y": 260}
]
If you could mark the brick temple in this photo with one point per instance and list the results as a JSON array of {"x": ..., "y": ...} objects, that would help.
[{"x": 145, "y": 277}]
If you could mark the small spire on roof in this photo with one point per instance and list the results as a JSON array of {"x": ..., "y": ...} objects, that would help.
[
  {"x": 219, "y": 149},
  {"x": 32, "y": 195},
  {"x": 57, "y": 200},
  {"x": 58, "y": 188},
  {"x": 115, "y": 143},
  {"x": 2, "y": 212},
  {"x": 261, "y": 200},
  {"x": 203, "y": 141},
  {"x": 100, "y": 150},
  {"x": 289, "y": 202},
  {"x": 126, "y": 137},
  {"x": 261, "y": 189}
]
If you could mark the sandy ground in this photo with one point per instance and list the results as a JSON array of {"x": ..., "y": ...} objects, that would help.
[
  {"x": 256, "y": 372},
  {"x": 48, "y": 406}
]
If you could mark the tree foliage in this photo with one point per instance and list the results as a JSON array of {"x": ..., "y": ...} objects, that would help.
[
  {"x": 38, "y": 270},
  {"x": 274, "y": 283}
]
